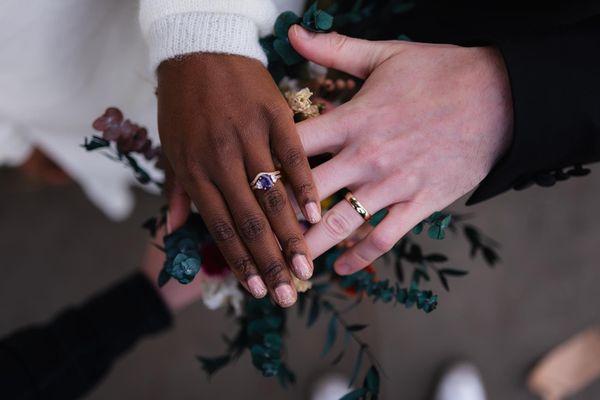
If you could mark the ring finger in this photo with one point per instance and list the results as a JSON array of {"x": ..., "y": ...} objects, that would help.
[
  {"x": 255, "y": 231},
  {"x": 341, "y": 220}
]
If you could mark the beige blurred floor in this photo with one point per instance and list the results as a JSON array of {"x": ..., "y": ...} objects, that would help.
[{"x": 56, "y": 248}]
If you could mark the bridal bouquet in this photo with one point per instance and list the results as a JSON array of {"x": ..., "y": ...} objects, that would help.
[{"x": 261, "y": 325}]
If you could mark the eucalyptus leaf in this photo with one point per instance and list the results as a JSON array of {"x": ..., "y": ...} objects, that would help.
[
  {"x": 283, "y": 23},
  {"x": 357, "y": 365},
  {"x": 331, "y": 335},
  {"x": 371, "y": 382},
  {"x": 286, "y": 51}
]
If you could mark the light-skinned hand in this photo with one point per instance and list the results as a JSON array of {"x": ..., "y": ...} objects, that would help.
[{"x": 426, "y": 127}]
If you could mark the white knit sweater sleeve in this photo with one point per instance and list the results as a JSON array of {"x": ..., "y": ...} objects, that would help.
[{"x": 176, "y": 27}]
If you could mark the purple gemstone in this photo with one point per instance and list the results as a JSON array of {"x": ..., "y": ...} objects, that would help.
[{"x": 264, "y": 182}]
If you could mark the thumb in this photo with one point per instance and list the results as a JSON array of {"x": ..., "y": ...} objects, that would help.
[{"x": 356, "y": 57}]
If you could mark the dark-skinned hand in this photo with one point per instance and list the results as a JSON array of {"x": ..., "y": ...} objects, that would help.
[{"x": 221, "y": 121}]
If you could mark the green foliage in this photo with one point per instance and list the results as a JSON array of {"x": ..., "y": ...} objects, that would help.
[
  {"x": 96, "y": 142},
  {"x": 481, "y": 244},
  {"x": 182, "y": 250},
  {"x": 278, "y": 48},
  {"x": 438, "y": 222},
  {"x": 424, "y": 299},
  {"x": 317, "y": 20}
]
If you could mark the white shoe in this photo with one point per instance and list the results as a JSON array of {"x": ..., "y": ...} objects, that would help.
[
  {"x": 330, "y": 387},
  {"x": 461, "y": 381}
]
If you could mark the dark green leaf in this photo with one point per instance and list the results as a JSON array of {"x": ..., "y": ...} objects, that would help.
[
  {"x": 338, "y": 358},
  {"x": 283, "y": 23},
  {"x": 378, "y": 217},
  {"x": 323, "y": 21},
  {"x": 438, "y": 258},
  {"x": 490, "y": 256},
  {"x": 399, "y": 270},
  {"x": 371, "y": 382},
  {"x": 444, "y": 281},
  {"x": 357, "y": 365},
  {"x": 212, "y": 365},
  {"x": 453, "y": 272},
  {"x": 313, "y": 314},
  {"x": 356, "y": 327},
  {"x": 286, "y": 51},
  {"x": 446, "y": 221},
  {"x": 163, "y": 277},
  {"x": 418, "y": 228},
  {"x": 331, "y": 335},
  {"x": 96, "y": 142},
  {"x": 435, "y": 232}
]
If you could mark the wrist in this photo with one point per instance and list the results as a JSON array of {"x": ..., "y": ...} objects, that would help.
[{"x": 499, "y": 84}]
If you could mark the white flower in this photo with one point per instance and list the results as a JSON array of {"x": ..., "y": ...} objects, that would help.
[{"x": 218, "y": 292}]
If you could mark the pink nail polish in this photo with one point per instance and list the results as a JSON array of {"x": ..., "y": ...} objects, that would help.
[
  {"x": 285, "y": 295},
  {"x": 302, "y": 267},
  {"x": 312, "y": 211},
  {"x": 257, "y": 286}
]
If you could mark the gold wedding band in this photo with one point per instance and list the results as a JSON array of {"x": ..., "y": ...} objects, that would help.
[{"x": 359, "y": 208}]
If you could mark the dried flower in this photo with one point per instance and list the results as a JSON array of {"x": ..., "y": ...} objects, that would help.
[
  {"x": 301, "y": 286},
  {"x": 299, "y": 102}
]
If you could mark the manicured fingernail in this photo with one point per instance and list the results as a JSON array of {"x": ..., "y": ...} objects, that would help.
[
  {"x": 285, "y": 295},
  {"x": 312, "y": 210},
  {"x": 302, "y": 33},
  {"x": 257, "y": 286},
  {"x": 169, "y": 228},
  {"x": 302, "y": 267}
]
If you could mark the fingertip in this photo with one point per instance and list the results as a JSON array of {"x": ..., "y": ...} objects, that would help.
[
  {"x": 297, "y": 33},
  {"x": 256, "y": 287},
  {"x": 312, "y": 212},
  {"x": 341, "y": 267},
  {"x": 285, "y": 295}
]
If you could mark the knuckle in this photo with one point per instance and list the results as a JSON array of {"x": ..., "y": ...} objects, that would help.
[
  {"x": 379, "y": 166},
  {"x": 293, "y": 244},
  {"x": 274, "y": 272},
  {"x": 224, "y": 143},
  {"x": 411, "y": 182},
  {"x": 381, "y": 242},
  {"x": 221, "y": 230},
  {"x": 274, "y": 201},
  {"x": 252, "y": 227},
  {"x": 244, "y": 266},
  {"x": 292, "y": 158},
  {"x": 336, "y": 225},
  {"x": 304, "y": 189}
]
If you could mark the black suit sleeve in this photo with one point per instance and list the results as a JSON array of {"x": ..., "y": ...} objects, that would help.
[
  {"x": 555, "y": 81},
  {"x": 66, "y": 357}
]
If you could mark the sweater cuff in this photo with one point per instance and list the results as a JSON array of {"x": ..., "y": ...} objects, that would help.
[{"x": 179, "y": 34}]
